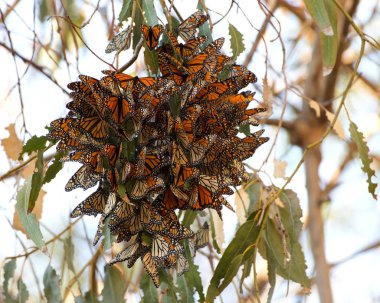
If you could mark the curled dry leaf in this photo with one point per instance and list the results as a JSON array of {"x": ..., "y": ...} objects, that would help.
[
  {"x": 338, "y": 127},
  {"x": 267, "y": 98},
  {"x": 242, "y": 204},
  {"x": 279, "y": 169},
  {"x": 12, "y": 144},
  {"x": 219, "y": 231}
]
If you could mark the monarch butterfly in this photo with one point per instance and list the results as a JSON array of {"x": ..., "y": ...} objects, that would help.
[
  {"x": 202, "y": 236},
  {"x": 169, "y": 70},
  {"x": 199, "y": 148},
  {"x": 112, "y": 177},
  {"x": 188, "y": 27},
  {"x": 125, "y": 254},
  {"x": 161, "y": 246},
  {"x": 183, "y": 137},
  {"x": 151, "y": 34},
  {"x": 153, "y": 162},
  {"x": 119, "y": 42},
  {"x": 111, "y": 202},
  {"x": 151, "y": 268},
  {"x": 83, "y": 87},
  {"x": 189, "y": 117},
  {"x": 204, "y": 193},
  {"x": 138, "y": 167},
  {"x": 183, "y": 174},
  {"x": 70, "y": 143},
  {"x": 214, "y": 47},
  {"x": 211, "y": 92},
  {"x": 188, "y": 49},
  {"x": 248, "y": 116},
  {"x": 178, "y": 155},
  {"x": 92, "y": 205},
  {"x": 83, "y": 106},
  {"x": 180, "y": 194},
  {"x": 141, "y": 250},
  {"x": 177, "y": 231},
  {"x": 142, "y": 187},
  {"x": 123, "y": 213},
  {"x": 95, "y": 126},
  {"x": 119, "y": 107},
  {"x": 182, "y": 265},
  {"x": 84, "y": 178},
  {"x": 170, "y": 201}
]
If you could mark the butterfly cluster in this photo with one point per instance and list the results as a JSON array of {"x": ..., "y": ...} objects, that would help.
[{"x": 158, "y": 145}]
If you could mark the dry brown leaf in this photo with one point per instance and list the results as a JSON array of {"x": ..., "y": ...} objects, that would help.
[
  {"x": 219, "y": 231},
  {"x": 28, "y": 170},
  {"x": 37, "y": 211},
  {"x": 12, "y": 144},
  {"x": 279, "y": 169},
  {"x": 315, "y": 106},
  {"x": 338, "y": 127},
  {"x": 267, "y": 98},
  {"x": 242, "y": 204}
]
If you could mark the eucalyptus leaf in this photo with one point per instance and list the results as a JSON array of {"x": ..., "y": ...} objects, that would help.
[
  {"x": 150, "y": 12},
  {"x": 236, "y": 40},
  {"x": 149, "y": 290},
  {"x": 52, "y": 285},
  {"x": 29, "y": 221},
  {"x": 33, "y": 144},
  {"x": 358, "y": 138},
  {"x": 114, "y": 285},
  {"x": 37, "y": 180},
  {"x": 245, "y": 237}
]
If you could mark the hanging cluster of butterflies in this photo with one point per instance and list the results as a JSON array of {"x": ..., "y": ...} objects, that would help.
[{"x": 158, "y": 145}]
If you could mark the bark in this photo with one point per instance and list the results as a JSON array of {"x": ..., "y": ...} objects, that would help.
[{"x": 315, "y": 127}]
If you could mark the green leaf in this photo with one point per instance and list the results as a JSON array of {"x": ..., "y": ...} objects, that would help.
[
  {"x": 149, "y": 290},
  {"x": 271, "y": 276},
  {"x": 236, "y": 40},
  {"x": 213, "y": 235},
  {"x": 295, "y": 269},
  {"x": 114, "y": 285},
  {"x": 185, "y": 290},
  {"x": 204, "y": 29},
  {"x": 193, "y": 276},
  {"x": 29, "y": 221},
  {"x": 330, "y": 43},
  {"x": 136, "y": 28},
  {"x": 107, "y": 237},
  {"x": 231, "y": 272},
  {"x": 37, "y": 178},
  {"x": 33, "y": 144},
  {"x": 69, "y": 253},
  {"x": 318, "y": 12},
  {"x": 151, "y": 60},
  {"x": 9, "y": 270},
  {"x": 189, "y": 218},
  {"x": 363, "y": 150},
  {"x": 245, "y": 129},
  {"x": 52, "y": 285},
  {"x": 23, "y": 293},
  {"x": 53, "y": 169},
  {"x": 167, "y": 287},
  {"x": 282, "y": 247},
  {"x": 126, "y": 10},
  {"x": 89, "y": 297},
  {"x": 43, "y": 10},
  {"x": 245, "y": 236},
  {"x": 150, "y": 12}
]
